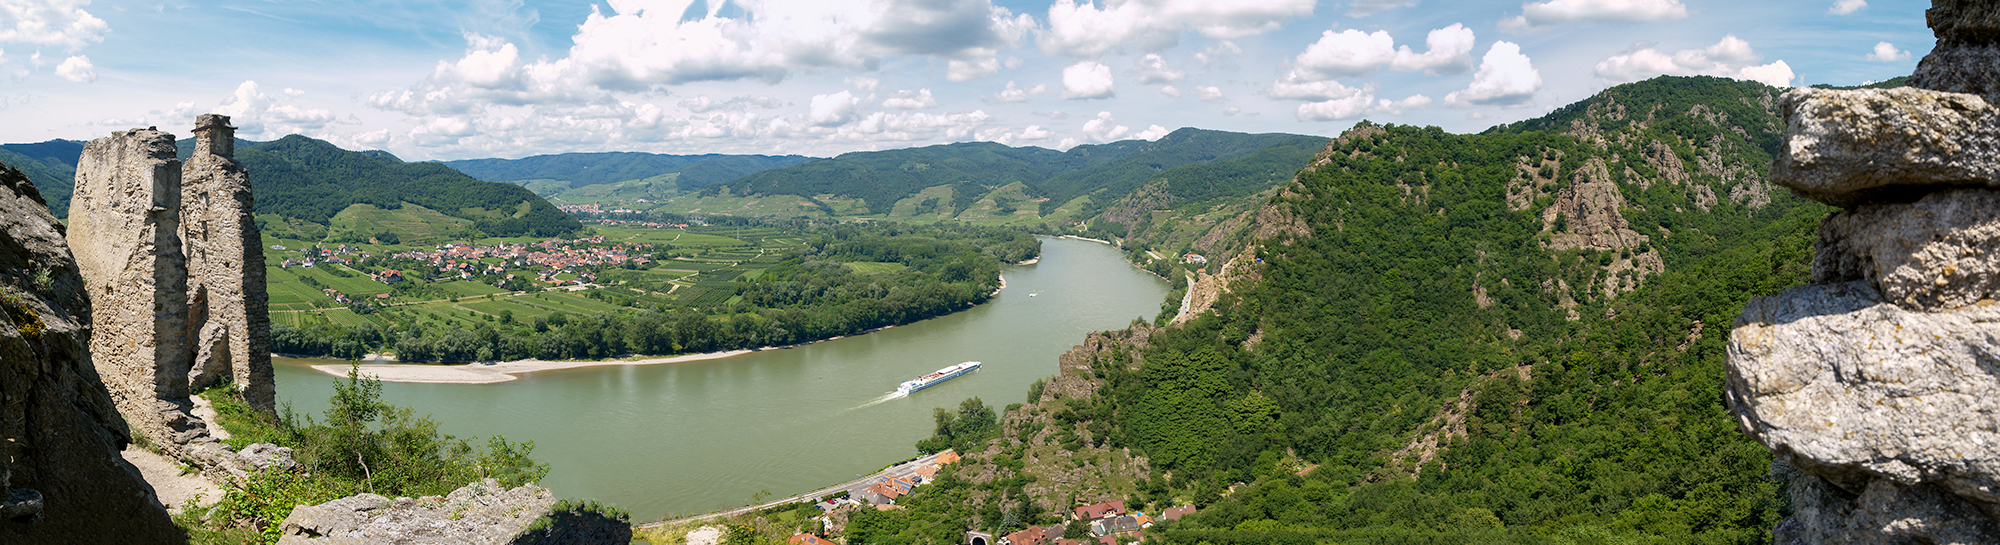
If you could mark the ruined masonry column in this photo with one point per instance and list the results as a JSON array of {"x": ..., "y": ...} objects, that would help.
[
  {"x": 227, "y": 301},
  {"x": 125, "y": 233}
]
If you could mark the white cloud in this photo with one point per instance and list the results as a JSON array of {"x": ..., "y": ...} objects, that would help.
[
  {"x": 1232, "y": 111},
  {"x": 1731, "y": 58},
  {"x": 1537, "y": 16},
  {"x": 1505, "y": 78},
  {"x": 1214, "y": 55},
  {"x": 1312, "y": 91},
  {"x": 1105, "y": 129},
  {"x": 1209, "y": 94},
  {"x": 1153, "y": 69},
  {"x": 50, "y": 23},
  {"x": 906, "y": 100},
  {"x": 259, "y": 115},
  {"x": 1087, "y": 80},
  {"x": 1396, "y": 107},
  {"x": 1887, "y": 52},
  {"x": 77, "y": 69},
  {"x": 1017, "y": 94},
  {"x": 1330, "y": 110},
  {"x": 1170, "y": 91},
  {"x": 704, "y": 104},
  {"x": 864, "y": 83},
  {"x": 1346, "y": 53},
  {"x": 1450, "y": 53},
  {"x": 958, "y": 70},
  {"x": 834, "y": 110},
  {"x": 1031, "y": 133},
  {"x": 1844, "y": 7},
  {"x": 1086, "y": 30},
  {"x": 1364, "y": 8},
  {"x": 904, "y": 127}
]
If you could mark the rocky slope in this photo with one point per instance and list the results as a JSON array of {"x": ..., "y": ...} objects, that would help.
[{"x": 65, "y": 481}]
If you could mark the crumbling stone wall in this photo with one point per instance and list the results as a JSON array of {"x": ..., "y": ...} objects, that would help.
[
  {"x": 227, "y": 302},
  {"x": 125, "y": 233}
]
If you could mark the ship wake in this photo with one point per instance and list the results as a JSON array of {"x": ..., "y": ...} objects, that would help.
[{"x": 880, "y": 400}]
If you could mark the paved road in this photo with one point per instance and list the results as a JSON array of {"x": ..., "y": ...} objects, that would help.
[{"x": 854, "y": 487}]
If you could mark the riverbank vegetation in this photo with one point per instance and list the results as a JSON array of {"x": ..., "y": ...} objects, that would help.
[
  {"x": 362, "y": 445},
  {"x": 737, "y": 285}
]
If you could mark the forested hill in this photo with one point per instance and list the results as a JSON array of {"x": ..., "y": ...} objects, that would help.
[
  {"x": 51, "y": 165},
  {"x": 581, "y": 169},
  {"x": 970, "y": 171},
  {"x": 1514, "y": 336},
  {"x": 300, "y": 178}
]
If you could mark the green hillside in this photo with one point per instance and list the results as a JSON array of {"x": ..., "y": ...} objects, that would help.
[
  {"x": 584, "y": 169},
  {"x": 312, "y": 180},
  {"x": 1507, "y": 337},
  {"x": 51, "y": 165}
]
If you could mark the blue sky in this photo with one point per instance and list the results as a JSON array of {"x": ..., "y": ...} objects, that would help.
[{"x": 511, "y": 78}]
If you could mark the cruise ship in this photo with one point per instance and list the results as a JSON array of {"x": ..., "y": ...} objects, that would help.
[{"x": 926, "y": 381}]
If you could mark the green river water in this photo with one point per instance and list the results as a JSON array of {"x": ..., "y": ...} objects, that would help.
[{"x": 686, "y": 438}]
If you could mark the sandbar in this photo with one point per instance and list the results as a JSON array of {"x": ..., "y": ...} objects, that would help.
[{"x": 483, "y": 373}]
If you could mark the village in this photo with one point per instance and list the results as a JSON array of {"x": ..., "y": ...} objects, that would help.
[
  {"x": 553, "y": 262},
  {"x": 1107, "y": 523}
]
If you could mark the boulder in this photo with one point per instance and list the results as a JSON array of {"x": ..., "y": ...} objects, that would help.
[
  {"x": 1853, "y": 389},
  {"x": 1885, "y": 145},
  {"x": 266, "y": 456},
  {"x": 479, "y": 513},
  {"x": 64, "y": 480},
  {"x": 1968, "y": 47},
  {"x": 1939, "y": 253},
  {"x": 1882, "y": 512}
]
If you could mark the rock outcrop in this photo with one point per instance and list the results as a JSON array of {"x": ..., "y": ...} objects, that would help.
[
  {"x": 227, "y": 301},
  {"x": 125, "y": 232},
  {"x": 479, "y": 513},
  {"x": 64, "y": 481},
  {"x": 1877, "y": 386}
]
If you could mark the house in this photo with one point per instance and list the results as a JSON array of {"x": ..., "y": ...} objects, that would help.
[
  {"x": 388, "y": 276},
  {"x": 947, "y": 458},
  {"x": 807, "y": 539},
  {"x": 881, "y": 494},
  {"x": 1099, "y": 510},
  {"x": 928, "y": 473},
  {"x": 1033, "y": 536},
  {"x": 1114, "y": 525},
  {"x": 1175, "y": 513}
]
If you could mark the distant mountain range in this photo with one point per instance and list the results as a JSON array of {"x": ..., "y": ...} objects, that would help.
[{"x": 573, "y": 170}]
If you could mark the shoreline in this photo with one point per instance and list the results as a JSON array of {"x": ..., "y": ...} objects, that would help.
[
  {"x": 478, "y": 373},
  {"x": 1104, "y": 242}
]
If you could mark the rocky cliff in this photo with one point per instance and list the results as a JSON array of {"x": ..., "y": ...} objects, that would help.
[
  {"x": 64, "y": 481},
  {"x": 1876, "y": 386},
  {"x": 227, "y": 302},
  {"x": 478, "y": 513}
]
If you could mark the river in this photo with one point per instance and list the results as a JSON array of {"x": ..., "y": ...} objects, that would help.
[{"x": 687, "y": 438}]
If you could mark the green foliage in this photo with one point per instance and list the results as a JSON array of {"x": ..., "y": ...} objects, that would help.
[
  {"x": 50, "y": 165},
  {"x": 573, "y": 521},
  {"x": 299, "y": 177},
  {"x": 965, "y": 430}
]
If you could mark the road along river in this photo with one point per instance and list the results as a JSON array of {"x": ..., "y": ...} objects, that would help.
[{"x": 698, "y": 436}]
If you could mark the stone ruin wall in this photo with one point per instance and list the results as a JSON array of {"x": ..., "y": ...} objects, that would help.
[{"x": 174, "y": 264}]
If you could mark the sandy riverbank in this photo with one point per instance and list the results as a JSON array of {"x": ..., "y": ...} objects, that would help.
[{"x": 480, "y": 373}]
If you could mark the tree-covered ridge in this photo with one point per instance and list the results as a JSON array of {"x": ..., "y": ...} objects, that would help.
[
  {"x": 581, "y": 169},
  {"x": 51, "y": 165},
  {"x": 303, "y": 178},
  {"x": 1514, "y": 336},
  {"x": 972, "y": 169}
]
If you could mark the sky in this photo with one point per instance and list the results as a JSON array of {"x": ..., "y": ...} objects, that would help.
[{"x": 461, "y": 79}]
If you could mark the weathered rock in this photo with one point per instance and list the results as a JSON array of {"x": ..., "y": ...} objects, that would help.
[
  {"x": 225, "y": 260},
  {"x": 1883, "y": 512},
  {"x": 1884, "y": 145},
  {"x": 1939, "y": 253},
  {"x": 1966, "y": 50},
  {"x": 1843, "y": 385},
  {"x": 1588, "y": 209},
  {"x": 125, "y": 231},
  {"x": 63, "y": 478},
  {"x": 479, "y": 513},
  {"x": 266, "y": 456}
]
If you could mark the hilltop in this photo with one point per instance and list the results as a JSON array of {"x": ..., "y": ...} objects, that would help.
[{"x": 550, "y": 175}]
